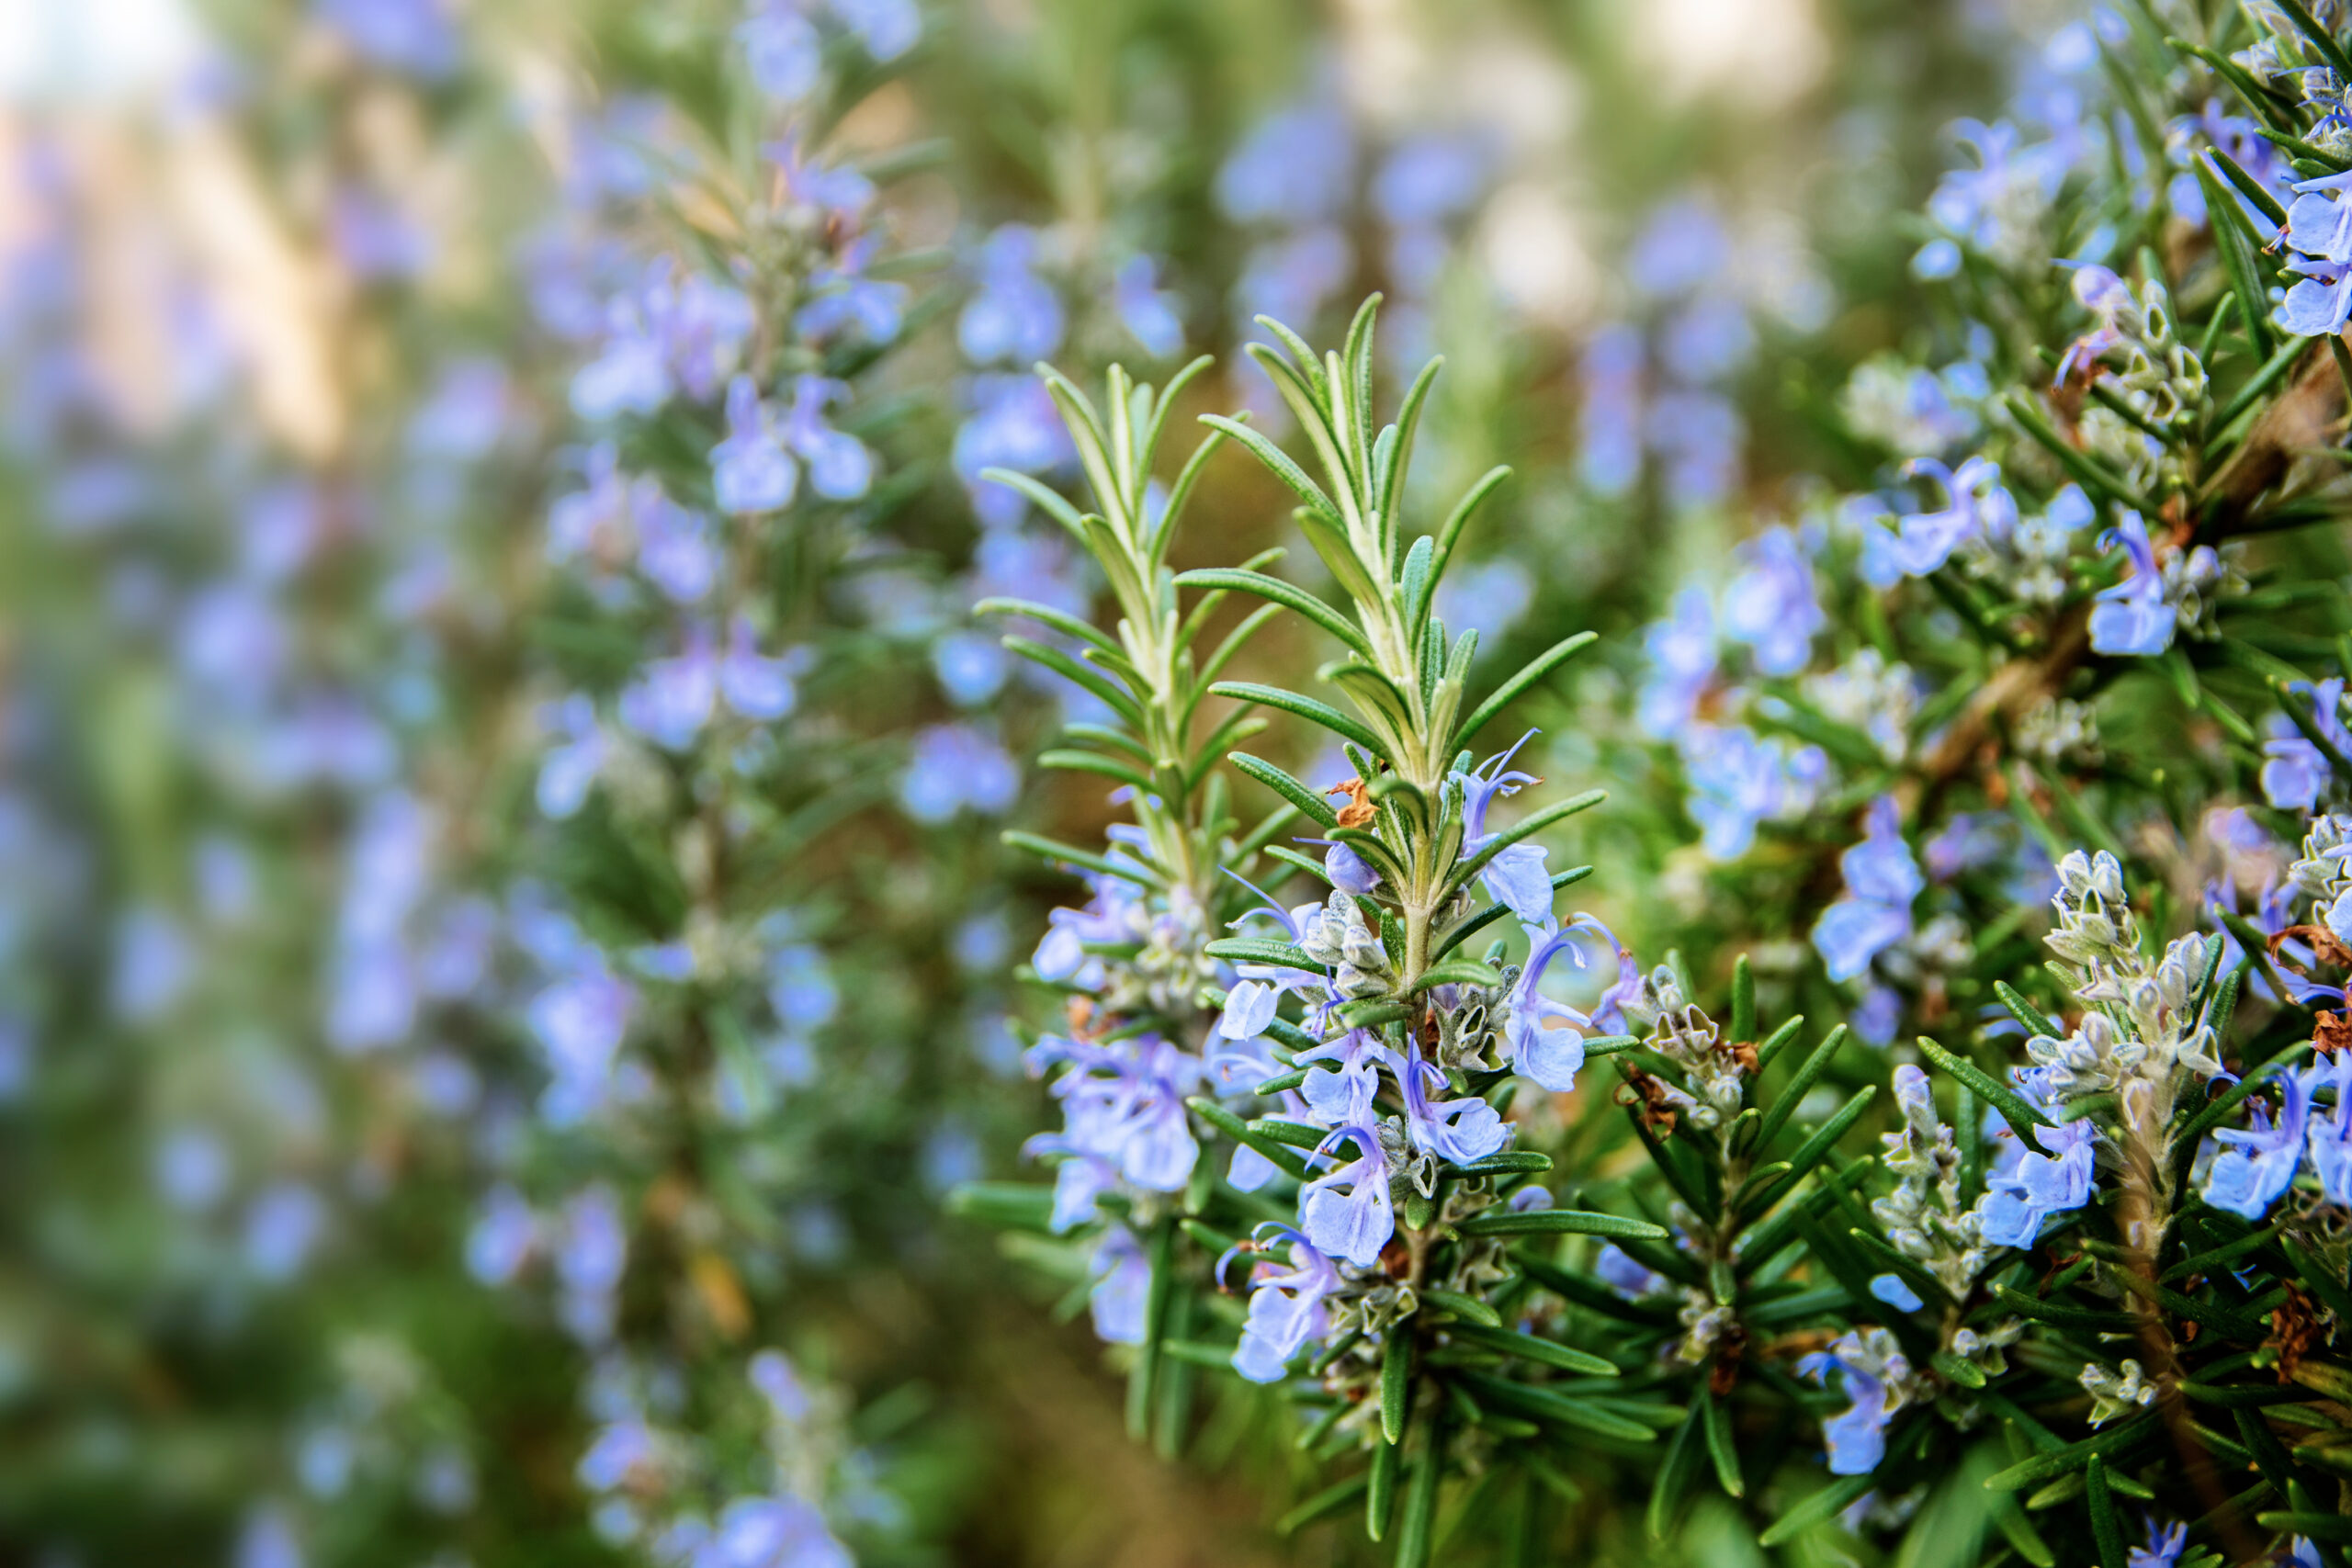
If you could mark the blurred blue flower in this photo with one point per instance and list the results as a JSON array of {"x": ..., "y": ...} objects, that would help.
[
  {"x": 1683, "y": 247},
  {"x": 1982, "y": 206},
  {"x": 374, "y": 239},
  {"x": 772, "y": 1374},
  {"x": 1699, "y": 435},
  {"x": 568, "y": 771},
  {"x": 1682, "y": 664},
  {"x": 457, "y": 959},
  {"x": 444, "y": 1481},
  {"x": 1609, "y": 435},
  {"x": 971, "y": 667},
  {"x": 1417, "y": 258},
  {"x": 1293, "y": 277},
  {"x": 504, "y": 1231},
  {"x": 749, "y": 470},
  {"x": 580, "y": 1020},
  {"x": 323, "y": 1459},
  {"x": 1628, "y": 1279},
  {"x": 1707, "y": 340},
  {"x": 620, "y": 1449},
  {"x": 283, "y": 1225},
  {"x": 1770, "y": 606},
  {"x": 887, "y": 27},
  {"x": 673, "y": 698},
  {"x": 2297, "y": 772},
  {"x": 1882, "y": 880},
  {"x": 629, "y": 375},
  {"x": 597, "y": 522},
  {"x": 783, "y": 50},
  {"x": 1013, "y": 424},
  {"x": 1487, "y": 597},
  {"x": 464, "y": 417},
  {"x": 836, "y": 190},
  {"x": 840, "y": 468},
  {"x": 417, "y": 38},
  {"x": 1122, "y": 1287},
  {"x": 1876, "y": 1017},
  {"x": 266, "y": 1539},
  {"x": 757, "y": 687},
  {"x": 192, "y": 1169},
  {"x": 983, "y": 942},
  {"x": 676, "y": 547},
  {"x": 153, "y": 964},
  {"x": 1738, "y": 779},
  {"x": 610, "y": 144},
  {"x": 1430, "y": 178},
  {"x": 1295, "y": 167},
  {"x": 782, "y": 1532},
  {"x": 801, "y": 990},
  {"x": 1976, "y": 506},
  {"x": 951, "y": 1157},
  {"x": 2234, "y": 135},
  {"x": 95, "y": 495},
  {"x": 2165, "y": 1545},
  {"x": 372, "y": 991},
  {"x": 1935, "y": 261},
  {"x": 2328, "y": 1129},
  {"x": 701, "y": 326},
  {"x": 956, "y": 768},
  {"x": 1152, "y": 316},
  {"x": 1890, "y": 1288},
  {"x": 591, "y": 1251},
  {"x": 842, "y": 298},
  {"x": 1014, "y": 314}
]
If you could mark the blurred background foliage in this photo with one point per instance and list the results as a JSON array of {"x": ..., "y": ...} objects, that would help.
[{"x": 288, "y": 392}]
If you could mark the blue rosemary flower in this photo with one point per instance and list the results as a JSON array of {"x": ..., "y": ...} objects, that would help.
[
  {"x": 1124, "y": 1104},
  {"x": 750, "y": 471},
  {"x": 2260, "y": 1162},
  {"x": 1739, "y": 780},
  {"x": 1460, "y": 1130},
  {"x": 1770, "y": 606},
  {"x": 1975, "y": 504},
  {"x": 1122, "y": 1288},
  {"x": 1515, "y": 877},
  {"x": 1872, "y": 1375},
  {"x": 1287, "y": 1307},
  {"x": 1882, "y": 880},
  {"x": 2135, "y": 617},
  {"x": 1014, "y": 315},
  {"x": 2027, "y": 1188},
  {"x": 2298, "y": 772},
  {"x": 1682, "y": 664},
  {"x": 1354, "y": 1224},
  {"x": 2328, "y": 1129}
]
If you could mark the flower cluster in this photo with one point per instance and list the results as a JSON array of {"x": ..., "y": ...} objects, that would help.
[
  {"x": 246, "y": 967},
  {"x": 1660, "y": 390},
  {"x": 725, "y": 471}
]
